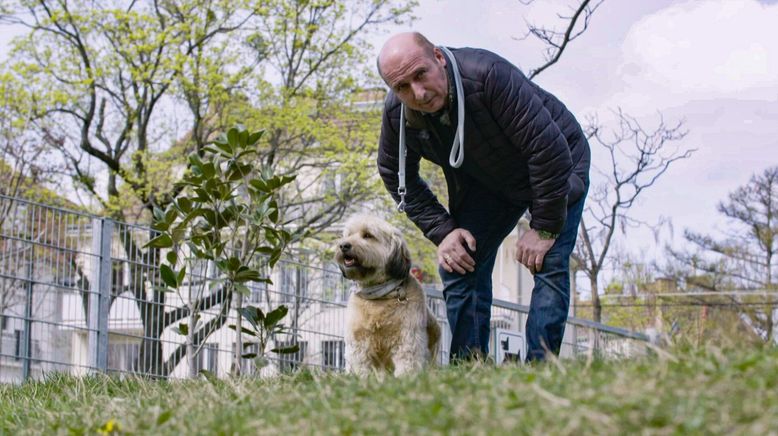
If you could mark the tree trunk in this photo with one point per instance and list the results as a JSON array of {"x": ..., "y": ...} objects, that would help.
[
  {"x": 596, "y": 306},
  {"x": 238, "y": 335},
  {"x": 190, "y": 344}
]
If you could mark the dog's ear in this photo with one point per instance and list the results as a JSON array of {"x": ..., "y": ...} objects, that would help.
[{"x": 399, "y": 265}]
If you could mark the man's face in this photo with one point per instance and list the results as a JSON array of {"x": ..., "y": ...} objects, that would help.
[{"x": 418, "y": 79}]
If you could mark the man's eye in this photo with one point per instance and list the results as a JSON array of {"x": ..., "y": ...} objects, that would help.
[
  {"x": 420, "y": 74},
  {"x": 401, "y": 87}
]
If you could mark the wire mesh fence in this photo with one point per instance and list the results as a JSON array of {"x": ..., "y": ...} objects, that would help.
[{"x": 81, "y": 293}]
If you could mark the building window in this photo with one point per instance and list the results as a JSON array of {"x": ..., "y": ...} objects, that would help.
[
  {"x": 208, "y": 358},
  {"x": 332, "y": 353},
  {"x": 292, "y": 362},
  {"x": 117, "y": 277},
  {"x": 122, "y": 356},
  {"x": 258, "y": 289},
  {"x": 335, "y": 288},
  {"x": 294, "y": 282}
]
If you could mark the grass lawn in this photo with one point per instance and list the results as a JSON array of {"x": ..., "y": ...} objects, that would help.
[{"x": 685, "y": 392}]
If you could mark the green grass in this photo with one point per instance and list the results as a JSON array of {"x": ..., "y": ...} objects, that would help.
[{"x": 686, "y": 392}]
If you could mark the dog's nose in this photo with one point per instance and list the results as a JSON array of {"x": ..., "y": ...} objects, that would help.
[{"x": 344, "y": 247}]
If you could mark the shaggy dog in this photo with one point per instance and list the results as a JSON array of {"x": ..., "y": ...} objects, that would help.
[{"x": 388, "y": 325}]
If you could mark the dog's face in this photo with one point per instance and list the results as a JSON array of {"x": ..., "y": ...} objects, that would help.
[{"x": 372, "y": 251}]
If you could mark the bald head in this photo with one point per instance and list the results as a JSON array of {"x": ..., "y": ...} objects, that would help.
[
  {"x": 400, "y": 44},
  {"x": 415, "y": 70}
]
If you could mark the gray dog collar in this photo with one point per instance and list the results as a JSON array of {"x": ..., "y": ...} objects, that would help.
[{"x": 386, "y": 290}]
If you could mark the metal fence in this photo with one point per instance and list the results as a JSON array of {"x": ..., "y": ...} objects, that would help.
[{"x": 78, "y": 293}]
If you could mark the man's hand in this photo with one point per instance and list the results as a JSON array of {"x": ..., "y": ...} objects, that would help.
[
  {"x": 530, "y": 250},
  {"x": 452, "y": 255}
]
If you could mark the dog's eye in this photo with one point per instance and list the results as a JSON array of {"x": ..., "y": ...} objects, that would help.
[{"x": 367, "y": 235}]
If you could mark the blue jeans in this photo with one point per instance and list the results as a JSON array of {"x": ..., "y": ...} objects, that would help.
[{"x": 469, "y": 296}]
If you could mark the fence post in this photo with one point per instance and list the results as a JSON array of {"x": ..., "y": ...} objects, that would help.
[
  {"x": 26, "y": 340},
  {"x": 100, "y": 294}
]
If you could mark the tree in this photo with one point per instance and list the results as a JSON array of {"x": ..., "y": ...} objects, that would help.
[
  {"x": 638, "y": 158},
  {"x": 104, "y": 78},
  {"x": 22, "y": 155},
  {"x": 743, "y": 260},
  {"x": 556, "y": 41},
  {"x": 100, "y": 77},
  {"x": 644, "y": 164},
  {"x": 321, "y": 112},
  {"x": 223, "y": 224}
]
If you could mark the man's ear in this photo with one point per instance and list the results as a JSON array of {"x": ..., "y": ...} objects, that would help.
[
  {"x": 399, "y": 265},
  {"x": 439, "y": 56}
]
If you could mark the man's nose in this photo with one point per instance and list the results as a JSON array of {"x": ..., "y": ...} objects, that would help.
[
  {"x": 418, "y": 91},
  {"x": 345, "y": 247}
]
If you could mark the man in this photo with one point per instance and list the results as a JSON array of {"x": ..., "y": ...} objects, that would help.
[{"x": 513, "y": 148}]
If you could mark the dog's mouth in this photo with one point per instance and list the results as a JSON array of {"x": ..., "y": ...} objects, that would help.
[{"x": 350, "y": 261}]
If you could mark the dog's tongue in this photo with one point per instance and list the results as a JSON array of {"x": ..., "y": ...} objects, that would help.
[{"x": 348, "y": 261}]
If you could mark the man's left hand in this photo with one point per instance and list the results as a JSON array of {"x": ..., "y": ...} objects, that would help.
[{"x": 531, "y": 249}]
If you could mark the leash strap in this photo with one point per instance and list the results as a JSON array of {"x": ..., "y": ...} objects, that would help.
[{"x": 457, "y": 155}]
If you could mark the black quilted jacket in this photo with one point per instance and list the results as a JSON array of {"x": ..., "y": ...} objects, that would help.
[{"x": 520, "y": 142}]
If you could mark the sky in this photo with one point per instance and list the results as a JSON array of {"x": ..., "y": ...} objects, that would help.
[{"x": 711, "y": 64}]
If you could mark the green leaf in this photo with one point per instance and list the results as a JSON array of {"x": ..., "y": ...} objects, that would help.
[
  {"x": 164, "y": 417},
  {"x": 159, "y": 214},
  {"x": 266, "y": 250},
  {"x": 274, "y": 316},
  {"x": 170, "y": 215},
  {"x": 243, "y": 136},
  {"x": 254, "y": 137},
  {"x": 244, "y": 330},
  {"x": 233, "y": 136},
  {"x": 259, "y": 185},
  {"x": 168, "y": 276},
  {"x": 209, "y": 170},
  {"x": 160, "y": 225},
  {"x": 245, "y": 275},
  {"x": 285, "y": 180},
  {"x": 273, "y": 215},
  {"x": 185, "y": 204},
  {"x": 181, "y": 275},
  {"x": 182, "y": 329},
  {"x": 172, "y": 257},
  {"x": 233, "y": 264},
  {"x": 287, "y": 350},
  {"x": 202, "y": 195},
  {"x": 242, "y": 289},
  {"x": 253, "y": 315},
  {"x": 212, "y": 149},
  {"x": 162, "y": 241},
  {"x": 195, "y": 161},
  {"x": 248, "y": 355}
]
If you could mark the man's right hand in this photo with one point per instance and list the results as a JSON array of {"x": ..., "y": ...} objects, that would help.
[{"x": 452, "y": 255}]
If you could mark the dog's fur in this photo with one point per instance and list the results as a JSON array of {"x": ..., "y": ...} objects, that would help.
[{"x": 398, "y": 335}]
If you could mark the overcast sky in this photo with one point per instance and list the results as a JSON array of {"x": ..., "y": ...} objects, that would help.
[{"x": 713, "y": 64}]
